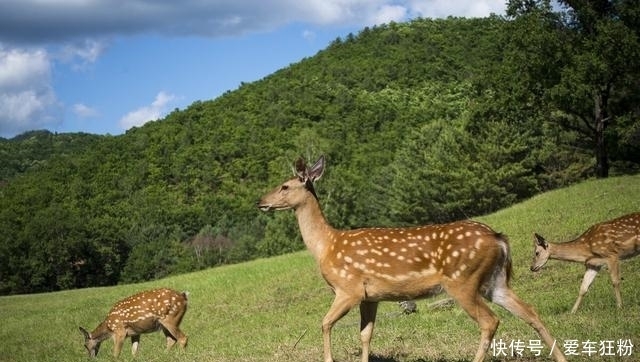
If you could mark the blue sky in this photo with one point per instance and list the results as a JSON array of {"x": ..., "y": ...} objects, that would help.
[{"x": 103, "y": 66}]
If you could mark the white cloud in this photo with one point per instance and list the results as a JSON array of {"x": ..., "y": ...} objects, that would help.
[
  {"x": 389, "y": 13},
  {"x": 308, "y": 35},
  {"x": 148, "y": 113},
  {"x": 84, "y": 111},
  {"x": 37, "y": 21},
  {"x": 466, "y": 8},
  {"x": 27, "y": 100},
  {"x": 82, "y": 53}
]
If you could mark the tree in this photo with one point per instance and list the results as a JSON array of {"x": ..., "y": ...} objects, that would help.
[{"x": 599, "y": 78}]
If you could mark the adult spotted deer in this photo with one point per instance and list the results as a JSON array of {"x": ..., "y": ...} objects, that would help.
[
  {"x": 605, "y": 243},
  {"x": 466, "y": 259},
  {"x": 145, "y": 312}
]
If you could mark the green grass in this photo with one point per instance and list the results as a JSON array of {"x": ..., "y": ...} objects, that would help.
[{"x": 270, "y": 309}]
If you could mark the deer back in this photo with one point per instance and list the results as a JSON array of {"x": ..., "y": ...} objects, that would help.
[
  {"x": 141, "y": 313},
  {"x": 400, "y": 263}
]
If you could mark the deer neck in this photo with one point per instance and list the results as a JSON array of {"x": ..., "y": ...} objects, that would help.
[
  {"x": 576, "y": 251},
  {"x": 101, "y": 332},
  {"x": 316, "y": 232}
]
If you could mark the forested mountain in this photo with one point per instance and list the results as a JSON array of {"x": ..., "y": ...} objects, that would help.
[{"x": 425, "y": 121}]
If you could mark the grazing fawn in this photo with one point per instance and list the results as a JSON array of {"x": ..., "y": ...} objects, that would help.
[
  {"x": 605, "y": 243},
  {"x": 466, "y": 259},
  {"x": 145, "y": 312}
]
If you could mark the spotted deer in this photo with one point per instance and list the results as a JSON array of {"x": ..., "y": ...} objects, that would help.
[
  {"x": 466, "y": 259},
  {"x": 145, "y": 312},
  {"x": 602, "y": 244}
]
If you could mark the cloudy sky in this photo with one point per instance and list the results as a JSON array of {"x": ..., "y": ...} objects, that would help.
[{"x": 104, "y": 66}]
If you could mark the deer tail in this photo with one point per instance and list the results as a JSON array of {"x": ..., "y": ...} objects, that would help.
[{"x": 506, "y": 254}]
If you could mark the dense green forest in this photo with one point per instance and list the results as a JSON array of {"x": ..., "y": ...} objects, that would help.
[{"x": 421, "y": 122}]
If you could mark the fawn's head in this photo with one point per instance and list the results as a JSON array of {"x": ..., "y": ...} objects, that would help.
[
  {"x": 540, "y": 252},
  {"x": 92, "y": 345},
  {"x": 293, "y": 192}
]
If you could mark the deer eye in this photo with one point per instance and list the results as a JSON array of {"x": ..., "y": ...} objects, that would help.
[{"x": 284, "y": 188}]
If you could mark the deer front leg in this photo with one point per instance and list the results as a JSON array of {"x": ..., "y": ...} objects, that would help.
[
  {"x": 118, "y": 341},
  {"x": 368, "y": 312},
  {"x": 588, "y": 278},
  {"x": 341, "y": 305},
  {"x": 614, "y": 272}
]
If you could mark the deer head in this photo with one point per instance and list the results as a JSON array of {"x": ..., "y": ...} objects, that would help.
[{"x": 540, "y": 252}]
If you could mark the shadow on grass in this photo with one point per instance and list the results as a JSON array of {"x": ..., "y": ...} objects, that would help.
[{"x": 378, "y": 358}]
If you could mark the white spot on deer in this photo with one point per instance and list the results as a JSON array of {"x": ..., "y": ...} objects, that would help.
[{"x": 348, "y": 259}]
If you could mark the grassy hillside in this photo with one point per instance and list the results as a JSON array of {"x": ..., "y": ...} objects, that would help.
[{"x": 270, "y": 309}]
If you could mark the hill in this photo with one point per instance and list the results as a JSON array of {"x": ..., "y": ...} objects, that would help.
[
  {"x": 413, "y": 119},
  {"x": 270, "y": 309}
]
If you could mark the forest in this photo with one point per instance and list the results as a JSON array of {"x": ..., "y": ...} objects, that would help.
[{"x": 426, "y": 121}]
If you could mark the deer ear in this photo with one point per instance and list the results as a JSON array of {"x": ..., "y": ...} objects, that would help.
[
  {"x": 84, "y": 333},
  {"x": 300, "y": 168},
  {"x": 316, "y": 171},
  {"x": 540, "y": 240}
]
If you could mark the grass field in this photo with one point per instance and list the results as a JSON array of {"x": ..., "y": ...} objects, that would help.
[{"x": 270, "y": 309}]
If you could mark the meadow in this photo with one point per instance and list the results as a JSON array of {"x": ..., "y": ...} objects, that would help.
[{"x": 271, "y": 309}]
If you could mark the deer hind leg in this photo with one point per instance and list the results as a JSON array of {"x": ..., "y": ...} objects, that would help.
[
  {"x": 614, "y": 272},
  {"x": 474, "y": 305},
  {"x": 173, "y": 334},
  {"x": 506, "y": 298},
  {"x": 341, "y": 305},
  {"x": 171, "y": 340},
  {"x": 135, "y": 344},
  {"x": 587, "y": 279},
  {"x": 368, "y": 312}
]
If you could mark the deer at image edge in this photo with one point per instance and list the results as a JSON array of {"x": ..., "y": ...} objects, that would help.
[
  {"x": 602, "y": 244},
  {"x": 466, "y": 259},
  {"x": 145, "y": 312}
]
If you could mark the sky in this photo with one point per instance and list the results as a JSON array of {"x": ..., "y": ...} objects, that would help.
[{"x": 104, "y": 66}]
